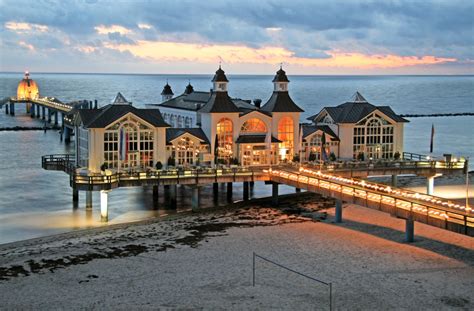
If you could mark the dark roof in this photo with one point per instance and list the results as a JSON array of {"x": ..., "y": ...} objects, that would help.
[
  {"x": 281, "y": 102},
  {"x": 254, "y": 139},
  {"x": 120, "y": 100},
  {"x": 280, "y": 76},
  {"x": 189, "y": 89},
  {"x": 220, "y": 76},
  {"x": 102, "y": 117},
  {"x": 219, "y": 102},
  {"x": 173, "y": 133},
  {"x": 355, "y": 110},
  {"x": 167, "y": 90},
  {"x": 191, "y": 102},
  {"x": 309, "y": 129}
]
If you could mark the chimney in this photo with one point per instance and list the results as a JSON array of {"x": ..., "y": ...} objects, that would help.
[{"x": 257, "y": 102}]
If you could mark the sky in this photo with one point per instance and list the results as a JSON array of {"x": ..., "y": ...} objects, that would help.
[{"x": 247, "y": 36}]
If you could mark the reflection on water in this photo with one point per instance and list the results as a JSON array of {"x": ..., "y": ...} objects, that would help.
[{"x": 35, "y": 202}]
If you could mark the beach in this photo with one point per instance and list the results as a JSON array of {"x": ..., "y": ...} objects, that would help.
[{"x": 202, "y": 261}]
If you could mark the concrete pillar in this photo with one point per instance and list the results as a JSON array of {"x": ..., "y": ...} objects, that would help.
[
  {"x": 67, "y": 135},
  {"x": 229, "y": 192},
  {"x": 75, "y": 195},
  {"x": 297, "y": 190},
  {"x": 104, "y": 208},
  {"x": 246, "y": 191},
  {"x": 195, "y": 198},
  {"x": 430, "y": 185},
  {"x": 62, "y": 118},
  {"x": 338, "y": 212},
  {"x": 55, "y": 118},
  {"x": 394, "y": 180},
  {"x": 38, "y": 107},
  {"x": 88, "y": 199},
  {"x": 409, "y": 230},
  {"x": 215, "y": 191},
  {"x": 275, "y": 194},
  {"x": 12, "y": 109},
  {"x": 49, "y": 115},
  {"x": 28, "y": 107},
  {"x": 43, "y": 114},
  {"x": 32, "y": 110},
  {"x": 6, "y": 108},
  {"x": 155, "y": 197}
]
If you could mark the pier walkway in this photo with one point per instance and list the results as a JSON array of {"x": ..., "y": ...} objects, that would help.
[{"x": 337, "y": 180}]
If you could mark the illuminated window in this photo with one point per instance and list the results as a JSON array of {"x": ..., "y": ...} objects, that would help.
[
  {"x": 286, "y": 135},
  {"x": 128, "y": 144},
  {"x": 186, "y": 152},
  {"x": 374, "y": 137},
  {"x": 225, "y": 139},
  {"x": 253, "y": 125}
]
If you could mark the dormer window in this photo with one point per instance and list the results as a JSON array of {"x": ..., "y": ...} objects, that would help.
[{"x": 222, "y": 86}]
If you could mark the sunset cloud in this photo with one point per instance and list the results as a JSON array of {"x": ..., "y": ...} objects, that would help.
[
  {"x": 104, "y": 30},
  {"x": 25, "y": 27}
]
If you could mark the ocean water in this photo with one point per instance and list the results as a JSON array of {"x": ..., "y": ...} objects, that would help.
[{"x": 34, "y": 202}]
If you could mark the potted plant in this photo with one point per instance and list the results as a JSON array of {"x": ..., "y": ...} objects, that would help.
[
  {"x": 332, "y": 157},
  {"x": 159, "y": 165}
]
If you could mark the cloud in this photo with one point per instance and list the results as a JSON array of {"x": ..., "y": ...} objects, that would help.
[
  {"x": 25, "y": 27},
  {"x": 103, "y": 30}
]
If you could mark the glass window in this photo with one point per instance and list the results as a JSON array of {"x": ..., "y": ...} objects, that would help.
[
  {"x": 254, "y": 125},
  {"x": 225, "y": 139},
  {"x": 286, "y": 135}
]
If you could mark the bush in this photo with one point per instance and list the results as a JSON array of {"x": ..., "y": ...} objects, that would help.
[
  {"x": 312, "y": 157},
  {"x": 158, "y": 165},
  {"x": 332, "y": 157},
  {"x": 104, "y": 166},
  {"x": 235, "y": 161},
  {"x": 296, "y": 158},
  {"x": 361, "y": 156},
  {"x": 396, "y": 155},
  {"x": 171, "y": 161}
]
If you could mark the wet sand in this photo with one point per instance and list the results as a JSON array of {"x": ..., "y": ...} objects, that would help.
[{"x": 204, "y": 261}]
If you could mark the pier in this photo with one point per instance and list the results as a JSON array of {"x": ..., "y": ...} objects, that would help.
[{"x": 337, "y": 180}]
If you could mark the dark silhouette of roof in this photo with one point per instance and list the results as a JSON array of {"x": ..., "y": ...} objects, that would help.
[
  {"x": 254, "y": 139},
  {"x": 120, "y": 100},
  {"x": 102, "y": 117},
  {"x": 173, "y": 133},
  {"x": 167, "y": 90},
  {"x": 309, "y": 129},
  {"x": 219, "y": 102},
  {"x": 189, "y": 89},
  {"x": 281, "y": 102},
  {"x": 355, "y": 110},
  {"x": 220, "y": 76},
  {"x": 280, "y": 76}
]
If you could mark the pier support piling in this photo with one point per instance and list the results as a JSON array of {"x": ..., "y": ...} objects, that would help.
[
  {"x": 275, "y": 194},
  {"x": 394, "y": 180},
  {"x": 215, "y": 192},
  {"x": 43, "y": 113},
  {"x": 28, "y": 107},
  {"x": 32, "y": 110},
  {"x": 430, "y": 185},
  {"x": 338, "y": 213},
  {"x": 55, "y": 118},
  {"x": 12, "y": 109},
  {"x": 6, "y": 108},
  {"x": 88, "y": 199},
  {"x": 155, "y": 197},
  {"x": 297, "y": 190},
  {"x": 49, "y": 115},
  {"x": 246, "y": 191},
  {"x": 173, "y": 196},
  {"x": 409, "y": 230},
  {"x": 104, "y": 208},
  {"x": 75, "y": 195},
  {"x": 195, "y": 198},
  {"x": 229, "y": 192},
  {"x": 67, "y": 134},
  {"x": 38, "y": 107}
]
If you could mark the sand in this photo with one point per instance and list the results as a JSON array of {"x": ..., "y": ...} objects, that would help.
[{"x": 203, "y": 261}]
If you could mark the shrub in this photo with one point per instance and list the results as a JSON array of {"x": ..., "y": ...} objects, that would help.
[
  {"x": 171, "y": 161},
  {"x": 158, "y": 165},
  {"x": 235, "y": 161},
  {"x": 396, "y": 155},
  {"x": 296, "y": 158},
  {"x": 361, "y": 156},
  {"x": 312, "y": 157},
  {"x": 332, "y": 157},
  {"x": 104, "y": 166}
]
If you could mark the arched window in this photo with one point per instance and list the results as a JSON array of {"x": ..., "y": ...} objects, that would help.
[
  {"x": 188, "y": 122},
  {"x": 225, "y": 140},
  {"x": 253, "y": 125},
  {"x": 128, "y": 144},
  {"x": 373, "y": 136},
  {"x": 286, "y": 135},
  {"x": 180, "y": 121},
  {"x": 173, "y": 120}
]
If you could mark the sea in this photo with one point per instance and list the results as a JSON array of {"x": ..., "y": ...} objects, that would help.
[{"x": 35, "y": 202}]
